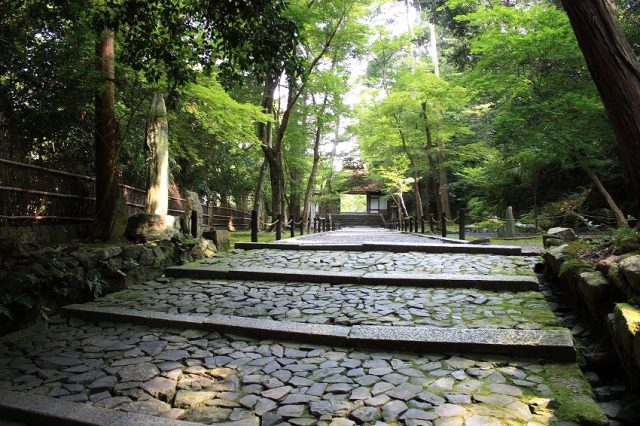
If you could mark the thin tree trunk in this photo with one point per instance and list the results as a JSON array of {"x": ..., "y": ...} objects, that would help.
[
  {"x": 402, "y": 204},
  {"x": 306, "y": 211},
  {"x": 444, "y": 182},
  {"x": 106, "y": 136},
  {"x": 610, "y": 201},
  {"x": 432, "y": 203},
  {"x": 414, "y": 169},
  {"x": 433, "y": 49},
  {"x": 616, "y": 73},
  {"x": 157, "y": 158}
]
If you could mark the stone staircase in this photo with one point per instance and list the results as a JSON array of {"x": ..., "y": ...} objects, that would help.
[
  {"x": 381, "y": 332},
  {"x": 358, "y": 219}
]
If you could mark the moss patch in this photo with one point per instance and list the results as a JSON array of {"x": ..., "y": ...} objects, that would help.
[{"x": 573, "y": 394}]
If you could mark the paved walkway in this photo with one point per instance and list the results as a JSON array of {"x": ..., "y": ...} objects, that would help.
[{"x": 305, "y": 353}]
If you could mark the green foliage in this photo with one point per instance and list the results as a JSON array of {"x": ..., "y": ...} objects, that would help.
[{"x": 626, "y": 240}]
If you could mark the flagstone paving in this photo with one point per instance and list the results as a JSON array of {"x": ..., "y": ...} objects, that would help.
[
  {"x": 211, "y": 378},
  {"x": 207, "y": 377},
  {"x": 376, "y": 261},
  {"x": 341, "y": 304}
]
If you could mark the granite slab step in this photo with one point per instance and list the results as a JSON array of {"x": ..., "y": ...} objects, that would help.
[
  {"x": 41, "y": 410},
  {"x": 439, "y": 248},
  {"x": 555, "y": 344},
  {"x": 488, "y": 282}
]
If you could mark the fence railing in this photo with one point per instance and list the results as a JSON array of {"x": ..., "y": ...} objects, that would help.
[{"x": 39, "y": 194}]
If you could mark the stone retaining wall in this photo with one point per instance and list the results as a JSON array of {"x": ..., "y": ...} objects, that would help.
[
  {"x": 34, "y": 281},
  {"x": 609, "y": 296}
]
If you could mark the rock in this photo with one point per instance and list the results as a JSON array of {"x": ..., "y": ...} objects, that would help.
[
  {"x": 277, "y": 393},
  {"x": 151, "y": 227},
  {"x": 630, "y": 268},
  {"x": 160, "y": 388},
  {"x": 220, "y": 237},
  {"x": 405, "y": 391},
  {"x": 138, "y": 372},
  {"x": 151, "y": 407},
  {"x": 391, "y": 410},
  {"x": 188, "y": 399},
  {"x": 509, "y": 228},
  {"x": 365, "y": 414},
  {"x": 416, "y": 414},
  {"x": 505, "y": 389},
  {"x": 597, "y": 293},
  {"x": 626, "y": 335},
  {"x": 193, "y": 215},
  {"x": 329, "y": 407},
  {"x": 481, "y": 421},
  {"x": 450, "y": 410},
  {"x": 556, "y": 236},
  {"x": 290, "y": 410}
]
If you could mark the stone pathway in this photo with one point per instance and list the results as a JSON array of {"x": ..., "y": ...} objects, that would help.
[
  {"x": 198, "y": 375},
  {"x": 357, "y": 235},
  {"x": 374, "y": 261},
  {"x": 342, "y": 304}
]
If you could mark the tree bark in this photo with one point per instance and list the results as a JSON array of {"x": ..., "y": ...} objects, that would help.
[
  {"x": 414, "y": 169},
  {"x": 259, "y": 194},
  {"x": 432, "y": 203},
  {"x": 157, "y": 157},
  {"x": 620, "y": 220},
  {"x": 106, "y": 135},
  {"x": 306, "y": 210},
  {"x": 616, "y": 73},
  {"x": 444, "y": 181}
]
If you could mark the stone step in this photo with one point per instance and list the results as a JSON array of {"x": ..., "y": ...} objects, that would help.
[
  {"x": 485, "y": 282},
  {"x": 339, "y": 304},
  {"x": 41, "y": 410},
  {"x": 554, "y": 344},
  {"x": 441, "y": 248}
]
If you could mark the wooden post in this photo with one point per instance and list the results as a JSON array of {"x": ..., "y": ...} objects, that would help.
[
  {"x": 415, "y": 224},
  {"x": 410, "y": 224},
  {"x": 323, "y": 226},
  {"x": 444, "y": 224},
  {"x": 194, "y": 223},
  {"x": 254, "y": 226},
  {"x": 315, "y": 227},
  {"x": 279, "y": 227},
  {"x": 293, "y": 227},
  {"x": 301, "y": 226},
  {"x": 432, "y": 223},
  {"x": 422, "y": 224},
  {"x": 461, "y": 220}
]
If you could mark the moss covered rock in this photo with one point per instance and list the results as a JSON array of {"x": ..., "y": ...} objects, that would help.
[
  {"x": 630, "y": 268},
  {"x": 598, "y": 294}
]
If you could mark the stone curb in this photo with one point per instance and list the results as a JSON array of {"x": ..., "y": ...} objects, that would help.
[
  {"x": 485, "y": 282},
  {"x": 454, "y": 248},
  {"x": 41, "y": 410},
  {"x": 547, "y": 344}
]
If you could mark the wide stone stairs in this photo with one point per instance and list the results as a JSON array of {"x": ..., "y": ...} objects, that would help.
[
  {"x": 358, "y": 219},
  {"x": 361, "y": 326}
]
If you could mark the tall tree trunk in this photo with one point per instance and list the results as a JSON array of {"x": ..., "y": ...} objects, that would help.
[
  {"x": 433, "y": 48},
  {"x": 444, "y": 181},
  {"x": 306, "y": 210},
  {"x": 620, "y": 220},
  {"x": 432, "y": 203},
  {"x": 616, "y": 73},
  {"x": 265, "y": 132},
  {"x": 157, "y": 157},
  {"x": 106, "y": 136},
  {"x": 414, "y": 169},
  {"x": 259, "y": 193}
]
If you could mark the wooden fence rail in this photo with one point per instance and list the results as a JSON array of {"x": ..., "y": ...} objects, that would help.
[{"x": 40, "y": 194}]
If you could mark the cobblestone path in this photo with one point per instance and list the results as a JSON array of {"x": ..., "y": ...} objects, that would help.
[{"x": 204, "y": 376}]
